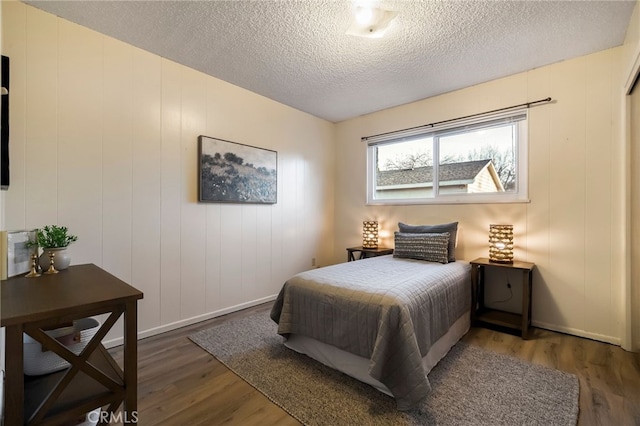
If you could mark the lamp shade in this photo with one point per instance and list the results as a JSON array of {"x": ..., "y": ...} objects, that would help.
[
  {"x": 501, "y": 243},
  {"x": 370, "y": 234}
]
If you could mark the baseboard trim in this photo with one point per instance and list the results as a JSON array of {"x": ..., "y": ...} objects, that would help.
[
  {"x": 188, "y": 321},
  {"x": 577, "y": 332}
]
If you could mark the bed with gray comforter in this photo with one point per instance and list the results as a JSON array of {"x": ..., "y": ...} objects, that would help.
[{"x": 388, "y": 310}]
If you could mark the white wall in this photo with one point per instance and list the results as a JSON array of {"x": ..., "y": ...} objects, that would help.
[
  {"x": 573, "y": 228},
  {"x": 104, "y": 141},
  {"x": 2, "y": 355},
  {"x": 104, "y": 136}
]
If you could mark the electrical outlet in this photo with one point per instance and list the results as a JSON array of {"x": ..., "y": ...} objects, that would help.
[{"x": 313, "y": 261}]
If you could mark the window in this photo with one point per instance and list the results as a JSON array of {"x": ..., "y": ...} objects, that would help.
[{"x": 464, "y": 161}]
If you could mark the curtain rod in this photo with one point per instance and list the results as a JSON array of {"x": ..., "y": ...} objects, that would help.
[{"x": 527, "y": 104}]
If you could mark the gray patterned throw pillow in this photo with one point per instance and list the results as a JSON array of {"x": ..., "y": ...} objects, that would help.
[
  {"x": 451, "y": 228},
  {"x": 423, "y": 246}
]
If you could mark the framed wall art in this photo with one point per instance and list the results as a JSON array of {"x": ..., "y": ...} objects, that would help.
[
  {"x": 230, "y": 172},
  {"x": 4, "y": 124},
  {"x": 16, "y": 254}
]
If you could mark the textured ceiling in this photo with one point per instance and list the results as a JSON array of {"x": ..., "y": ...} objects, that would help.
[{"x": 297, "y": 52}]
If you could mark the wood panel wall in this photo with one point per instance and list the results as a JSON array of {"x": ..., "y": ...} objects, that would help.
[
  {"x": 104, "y": 141},
  {"x": 572, "y": 228}
]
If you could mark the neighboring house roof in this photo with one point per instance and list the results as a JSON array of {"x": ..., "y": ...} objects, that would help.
[{"x": 453, "y": 172}]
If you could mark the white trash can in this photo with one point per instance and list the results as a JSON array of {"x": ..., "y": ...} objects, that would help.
[{"x": 76, "y": 337}]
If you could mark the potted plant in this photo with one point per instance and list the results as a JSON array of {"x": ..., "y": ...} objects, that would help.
[{"x": 54, "y": 238}]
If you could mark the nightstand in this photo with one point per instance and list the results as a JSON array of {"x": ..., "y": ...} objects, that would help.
[
  {"x": 482, "y": 315},
  {"x": 367, "y": 252}
]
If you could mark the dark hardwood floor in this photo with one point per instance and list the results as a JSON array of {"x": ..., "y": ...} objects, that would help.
[{"x": 181, "y": 384}]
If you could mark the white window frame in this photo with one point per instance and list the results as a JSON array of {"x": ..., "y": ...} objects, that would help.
[{"x": 519, "y": 195}]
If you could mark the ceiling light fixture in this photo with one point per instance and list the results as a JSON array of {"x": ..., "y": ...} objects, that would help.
[
  {"x": 364, "y": 15},
  {"x": 371, "y": 22}
]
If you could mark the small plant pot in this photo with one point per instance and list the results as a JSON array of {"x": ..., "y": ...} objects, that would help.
[{"x": 61, "y": 259}]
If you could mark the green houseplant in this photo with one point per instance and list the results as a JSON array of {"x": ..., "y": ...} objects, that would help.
[{"x": 54, "y": 238}]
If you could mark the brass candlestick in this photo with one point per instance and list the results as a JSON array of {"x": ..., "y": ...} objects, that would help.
[
  {"x": 34, "y": 268},
  {"x": 51, "y": 269}
]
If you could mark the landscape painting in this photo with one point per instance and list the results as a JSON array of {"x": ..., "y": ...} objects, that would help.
[{"x": 230, "y": 172}]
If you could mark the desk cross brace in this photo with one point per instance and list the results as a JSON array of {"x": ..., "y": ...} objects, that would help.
[{"x": 79, "y": 363}]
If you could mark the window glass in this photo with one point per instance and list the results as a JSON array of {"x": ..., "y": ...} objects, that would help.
[
  {"x": 483, "y": 160},
  {"x": 404, "y": 169}
]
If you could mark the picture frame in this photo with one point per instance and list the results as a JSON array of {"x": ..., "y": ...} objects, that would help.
[
  {"x": 230, "y": 172},
  {"x": 16, "y": 255},
  {"x": 4, "y": 123}
]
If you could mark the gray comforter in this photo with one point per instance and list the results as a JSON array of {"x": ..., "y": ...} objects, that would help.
[{"x": 386, "y": 309}]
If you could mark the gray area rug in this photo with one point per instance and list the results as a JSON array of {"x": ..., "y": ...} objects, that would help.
[{"x": 471, "y": 386}]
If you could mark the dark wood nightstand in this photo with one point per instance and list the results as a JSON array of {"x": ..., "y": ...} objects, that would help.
[
  {"x": 367, "y": 252},
  {"x": 480, "y": 314}
]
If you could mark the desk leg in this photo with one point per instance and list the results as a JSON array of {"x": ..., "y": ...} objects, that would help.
[
  {"x": 131, "y": 362},
  {"x": 526, "y": 303},
  {"x": 14, "y": 384}
]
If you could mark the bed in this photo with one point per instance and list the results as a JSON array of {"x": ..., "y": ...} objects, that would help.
[{"x": 384, "y": 320}]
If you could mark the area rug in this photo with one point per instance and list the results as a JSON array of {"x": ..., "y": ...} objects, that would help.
[{"x": 470, "y": 386}]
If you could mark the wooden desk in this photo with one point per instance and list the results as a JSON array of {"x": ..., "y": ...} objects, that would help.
[{"x": 94, "y": 379}]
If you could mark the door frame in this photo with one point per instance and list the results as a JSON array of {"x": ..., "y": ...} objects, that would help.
[{"x": 628, "y": 341}]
